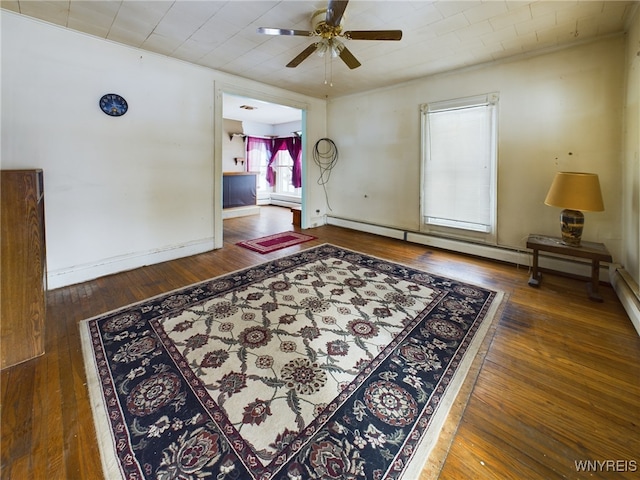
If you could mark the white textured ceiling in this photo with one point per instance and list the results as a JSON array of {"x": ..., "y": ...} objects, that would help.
[
  {"x": 438, "y": 35},
  {"x": 234, "y": 108}
]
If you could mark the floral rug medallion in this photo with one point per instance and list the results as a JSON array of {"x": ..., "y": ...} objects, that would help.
[{"x": 325, "y": 364}]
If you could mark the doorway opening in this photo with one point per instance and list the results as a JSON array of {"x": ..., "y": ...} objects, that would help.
[{"x": 262, "y": 157}]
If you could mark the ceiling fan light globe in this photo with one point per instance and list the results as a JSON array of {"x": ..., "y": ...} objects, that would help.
[
  {"x": 336, "y": 47},
  {"x": 322, "y": 49}
]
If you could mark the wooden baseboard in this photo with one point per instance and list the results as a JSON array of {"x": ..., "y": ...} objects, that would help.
[
  {"x": 240, "y": 211},
  {"x": 90, "y": 271}
]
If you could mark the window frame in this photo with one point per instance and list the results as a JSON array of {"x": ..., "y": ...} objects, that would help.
[
  {"x": 284, "y": 183},
  {"x": 459, "y": 231}
]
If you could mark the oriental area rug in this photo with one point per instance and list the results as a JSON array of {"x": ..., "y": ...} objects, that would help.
[
  {"x": 324, "y": 364},
  {"x": 275, "y": 242}
]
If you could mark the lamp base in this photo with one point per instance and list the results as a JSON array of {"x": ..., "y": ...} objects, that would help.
[{"x": 572, "y": 223}]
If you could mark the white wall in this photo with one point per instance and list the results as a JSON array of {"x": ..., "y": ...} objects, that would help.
[
  {"x": 129, "y": 191},
  {"x": 266, "y": 129},
  {"x": 631, "y": 154},
  {"x": 232, "y": 147},
  {"x": 124, "y": 192},
  {"x": 558, "y": 111},
  {"x": 257, "y": 129},
  {"x": 287, "y": 129},
  {"x": 625, "y": 275}
]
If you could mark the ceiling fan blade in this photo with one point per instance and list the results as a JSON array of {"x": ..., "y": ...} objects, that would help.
[
  {"x": 304, "y": 54},
  {"x": 283, "y": 31},
  {"x": 348, "y": 58},
  {"x": 374, "y": 34},
  {"x": 335, "y": 10}
]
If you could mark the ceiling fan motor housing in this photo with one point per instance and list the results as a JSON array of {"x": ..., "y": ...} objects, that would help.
[{"x": 320, "y": 27}]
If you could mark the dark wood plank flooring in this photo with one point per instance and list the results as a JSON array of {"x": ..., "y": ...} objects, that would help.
[{"x": 560, "y": 383}]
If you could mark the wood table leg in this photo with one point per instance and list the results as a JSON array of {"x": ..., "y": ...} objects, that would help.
[
  {"x": 536, "y": 276},
  {"x": 592, "y": 288}
]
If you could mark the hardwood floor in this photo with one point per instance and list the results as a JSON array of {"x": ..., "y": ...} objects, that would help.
[{"x": 560, "y": 383}]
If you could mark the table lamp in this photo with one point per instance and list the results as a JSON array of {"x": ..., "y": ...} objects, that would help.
[{"x": 574, "y": 192}]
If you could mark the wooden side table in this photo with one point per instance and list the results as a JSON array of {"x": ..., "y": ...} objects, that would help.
[
  {"x": 297, "y": 216},
  {"x": 596, "y": 252}
]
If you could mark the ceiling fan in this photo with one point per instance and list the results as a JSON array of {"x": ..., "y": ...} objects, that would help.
[{"x": 326, "y": 23}]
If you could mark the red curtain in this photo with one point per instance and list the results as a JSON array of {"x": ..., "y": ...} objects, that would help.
[
  {"x": 278, "y": 144},
  {"x": 293, "y": 145}
]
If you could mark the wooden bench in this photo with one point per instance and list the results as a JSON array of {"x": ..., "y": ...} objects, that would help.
[{"x": 596, "y": 252}]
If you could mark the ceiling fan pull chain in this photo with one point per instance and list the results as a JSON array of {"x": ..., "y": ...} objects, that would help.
[
  {"x": 326, "y": 60},
  {"x": 331, "y": 71}
]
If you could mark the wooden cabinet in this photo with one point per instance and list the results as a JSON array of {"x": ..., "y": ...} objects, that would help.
[{"x": 23, "y": 281}]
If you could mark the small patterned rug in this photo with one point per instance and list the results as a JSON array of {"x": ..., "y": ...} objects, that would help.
[
  {"x": 324, "y": 364},
  {"x": 275, "y": 242}
]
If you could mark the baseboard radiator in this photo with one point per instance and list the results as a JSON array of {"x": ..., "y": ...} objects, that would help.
[
  {"x": 624, "y": 286},
  {"x": 284, "y": 203},
  {"x": 515, "y": 256},
  {"x": 628, "y": 292}
]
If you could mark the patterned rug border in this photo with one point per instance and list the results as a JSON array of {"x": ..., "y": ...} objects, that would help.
[
  {"x": 432, "y": 448},
  {"x": 254, "y": 246},
  {"x": 450, "y": 410}
]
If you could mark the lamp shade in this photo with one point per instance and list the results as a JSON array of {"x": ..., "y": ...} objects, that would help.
[{"x": 576, "y": 191}]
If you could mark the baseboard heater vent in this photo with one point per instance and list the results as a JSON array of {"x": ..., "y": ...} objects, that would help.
[
  {"x": 628, "y": 292},
  {"x": 492, "y": 252},
  {"x": 283, "y": 203}
]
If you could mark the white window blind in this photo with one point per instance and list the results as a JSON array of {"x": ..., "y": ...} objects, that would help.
[{"x": 459, "y": 161}]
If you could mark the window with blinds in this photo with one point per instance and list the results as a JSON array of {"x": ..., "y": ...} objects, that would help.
[{"x": 459, "y": 167}]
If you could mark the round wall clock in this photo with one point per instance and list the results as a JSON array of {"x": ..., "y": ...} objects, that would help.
[{"x": 113, "y": 105}]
